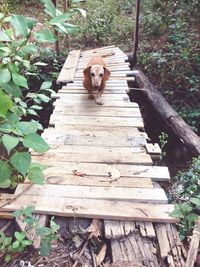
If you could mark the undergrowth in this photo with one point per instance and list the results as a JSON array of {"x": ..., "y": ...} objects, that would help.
[{"x": 186, "y": 192}]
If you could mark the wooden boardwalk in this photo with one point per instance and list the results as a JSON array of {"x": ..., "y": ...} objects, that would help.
[{"x": 99, "y": 167}]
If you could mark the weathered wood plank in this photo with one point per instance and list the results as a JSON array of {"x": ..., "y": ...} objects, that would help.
[
  {"x": 99, "y": 111},
  {"x": 95, "y": 181},
  {"x": 115, "y": 97},
  {"x": 93, "y": 139},
  {"x": 97, "y": 121},
  {"x": 83, "y": 91},
  {"x": 144, "y": 195},
  {"x": 90, "y": 208},
  {"x": 156, "y": 173},
  {"x": 88, "y": 103},
  {"x": 116, "y": 155},
  {"x": 68, "y": 70}
]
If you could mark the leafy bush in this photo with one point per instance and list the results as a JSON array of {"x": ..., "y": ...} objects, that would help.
[
  {"x": 17, "y": 134},
  {"x": 172, "y": 61},
  {"x": 186, "y": 191},
  {"x": 107, "y": 22}
]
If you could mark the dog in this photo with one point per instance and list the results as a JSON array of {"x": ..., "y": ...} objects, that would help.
[{"x": 95, "y": 76}]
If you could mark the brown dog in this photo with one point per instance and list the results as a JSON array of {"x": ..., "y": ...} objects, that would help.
[{"x": 95, "y": 76}]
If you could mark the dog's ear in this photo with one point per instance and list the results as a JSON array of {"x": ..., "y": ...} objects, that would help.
[
  {"x": 106, "y": 74},
  {"x": 86, "y": 72}
]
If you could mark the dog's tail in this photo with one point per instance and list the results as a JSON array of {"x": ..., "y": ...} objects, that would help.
[{"x": 108, "y": 54}]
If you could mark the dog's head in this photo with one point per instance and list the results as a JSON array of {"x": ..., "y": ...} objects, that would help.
[{"x": 97, "y": 74}]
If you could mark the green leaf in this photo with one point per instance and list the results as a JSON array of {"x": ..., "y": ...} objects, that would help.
[
  {"x": 46, "y": 85},
  {"x": 5, "y": 104},
  {"x": 27, "y": 127},
  {"x": 12, "y": 89},
  {"x": 15, "y": 244},
  {"x": 49, "y": 7},
  {"x": 81, "y": 11},
  {"x": 45, "y": 36},
  {"x": 8, "y": 258},
  {"x": 5, "y": 171},
  {"x": 20, "y": 25},
  {"x": 9, "y": 142},
  {"x": 36, "y": 107},
  {"x": 19, "y": 80},
  {"x": 40, "y": 64},
  {"x": 21, "y": 161},
  {"x": 4, "y": 76},
  {"x": 36, "y": 142},
  {"x": 61, "y": 18},
  {"x": 19, "y": 235},
  {"x": 36, "y": 176},
  {"x": 195, "y": 201},
  {"x": 192, "y": 217},
  {"x": 4, "y": 37},
  {"x": 32, "y": 112},
  {"x": 5, "y": 183},
  {"x": 45, "y": 247}
]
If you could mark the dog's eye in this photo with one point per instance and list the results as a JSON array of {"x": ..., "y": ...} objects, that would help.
[
  {"x": 101, "y": 75},
  {"x": 92, "y": 74}
]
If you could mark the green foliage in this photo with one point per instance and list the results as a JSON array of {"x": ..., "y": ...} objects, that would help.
[
  {"x": 107, "y": 21},
  {"x": 170, "y": 53},
  {"x": 9, "y": 246},
  {"x": 47, "y": 234},
  {"x": 186, "y": 191},
  {"x": 16, "y": 102},
  {"x": 163, "y": 138}
]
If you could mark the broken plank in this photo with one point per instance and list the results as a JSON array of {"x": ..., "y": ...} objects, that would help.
[
  {"x": 116, "y": 229},
  {"x": 98, "y": 111},
  {"x": 96, "y": 121},
  {"x": 90, "y": 208},
  {"x": 157, "y": 173},
  {"x": 69, "y": 68}
]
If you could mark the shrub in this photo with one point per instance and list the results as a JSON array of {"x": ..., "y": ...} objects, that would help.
[{"x": 186, "y": 191}]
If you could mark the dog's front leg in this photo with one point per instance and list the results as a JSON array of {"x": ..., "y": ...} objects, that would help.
[
  {"x": 91, "y": 95},
  {"x": 99, "y": 100}
]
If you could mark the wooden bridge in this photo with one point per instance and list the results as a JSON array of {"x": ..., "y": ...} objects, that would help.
[{"x": 100, "y": 166}]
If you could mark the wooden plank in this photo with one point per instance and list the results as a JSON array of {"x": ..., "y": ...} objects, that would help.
[
  {"x": 108, "y": 87},
  {"x": 90, "y": 208},
  {"x": 128, "y": 151},
  {"x": 92, "y": 139},
  {"x": 83, "y": 91},
  {"x": 156, "y": 173},
  {"x": 116, "y": 97},
  {"x": 98, "y": 111},
  {"x": 144, "y": 195},
  {"x": 96, "y": 121},
  {"x": 116, "y": 229},
  {"x": 95, "y": 181},
  {"x": 69, "y": 68},
  {"x": 77, "y": 154},
  {"x": 129, "y": 132},
  {"x": 88, "y": 103}
]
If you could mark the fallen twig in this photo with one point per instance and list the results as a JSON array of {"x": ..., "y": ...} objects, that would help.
[
  {"x": 5, "y": 226},
  {"x": 83, "y": 249}
]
